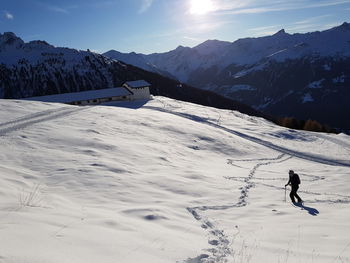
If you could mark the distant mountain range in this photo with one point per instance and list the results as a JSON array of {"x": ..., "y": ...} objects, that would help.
[
  {"x": 37, "y": 68},
  {"x": 300, "y": 75}
]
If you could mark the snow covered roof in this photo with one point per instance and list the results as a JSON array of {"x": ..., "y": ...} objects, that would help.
[
  {"x": 83, "y": 95},
  {"x": 137, "y": 84}
]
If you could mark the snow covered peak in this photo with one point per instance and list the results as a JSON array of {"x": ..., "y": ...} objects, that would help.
[
  {"x": 212, "y": 43},
  {"x": 8, "y": 35},
  {"x": 130, "y": 58},
  {"x": 36, "y": 43},
  {"x": 211, "y": 46},
  {"x": 342, "y": 28},
  {"x": 345, "y": 24},
  {"x": 9, "y": 38},
  {"x": 180, "y": 47},
  {"x": 14, "y": 50},
  {"x": 280, "y": 33}
]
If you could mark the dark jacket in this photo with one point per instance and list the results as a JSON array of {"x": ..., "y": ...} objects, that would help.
[{"x": 294, "y": 180}]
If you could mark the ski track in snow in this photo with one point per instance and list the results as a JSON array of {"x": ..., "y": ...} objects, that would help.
[
  {"x": 334, "y": 140},
  {"x": 218, "y": 239},
  {"x": 35, "y": 118},
  {"x": 336, "y": 198},
  {"x": 278, "y": 148}
]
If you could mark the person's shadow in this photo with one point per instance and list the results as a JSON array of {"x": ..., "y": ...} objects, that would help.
[{"x": 310, "y": 210}]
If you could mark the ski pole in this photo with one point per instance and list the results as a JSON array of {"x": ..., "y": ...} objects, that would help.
[{"x": 285, "y": 193}]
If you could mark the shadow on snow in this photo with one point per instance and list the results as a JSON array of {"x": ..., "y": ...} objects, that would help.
[
  {"x": 127, "y": 104},
  {"x": 309, "y": 157},
  {"x": 312, "y": 211}
]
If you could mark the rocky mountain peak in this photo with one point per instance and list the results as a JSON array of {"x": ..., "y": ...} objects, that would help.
[
  {"x": 345, "y": 26},
  {"x": 280, "y": 33},
  {"x": 9, "y": 38},
  {"x": 211, "y": 46},
  {"x": 180, "y": 47},
  {"x": 39, "y": 43}
]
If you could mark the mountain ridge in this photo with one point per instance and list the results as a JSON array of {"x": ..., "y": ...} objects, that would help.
[
  {"x": 276, "y": 71},
  {"x": 281, "y": 35}
]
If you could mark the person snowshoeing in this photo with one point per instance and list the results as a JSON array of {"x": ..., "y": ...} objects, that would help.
[{"x": 294, "y": 181}]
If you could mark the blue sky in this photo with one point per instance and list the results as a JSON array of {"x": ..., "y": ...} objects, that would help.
[{"x": 147, "y": 26}]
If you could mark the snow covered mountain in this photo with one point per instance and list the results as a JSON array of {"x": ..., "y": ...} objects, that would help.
[
  {"x": 37, "y": 68},
  {"x": 165, "y": 182},
  {"x": 300, "y": 75},
  {"x": 137, "y": 60}
]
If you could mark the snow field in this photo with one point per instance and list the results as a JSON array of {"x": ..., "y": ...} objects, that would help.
[{"x": 166, "y": 181}]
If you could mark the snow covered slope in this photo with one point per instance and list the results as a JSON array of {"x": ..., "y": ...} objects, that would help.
[{"x": 166, "y": 181}]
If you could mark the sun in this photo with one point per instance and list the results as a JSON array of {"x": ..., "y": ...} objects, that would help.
[{"x": 201, "y": 7}]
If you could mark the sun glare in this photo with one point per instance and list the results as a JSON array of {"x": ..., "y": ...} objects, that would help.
[{"x": 201, "y": 7}]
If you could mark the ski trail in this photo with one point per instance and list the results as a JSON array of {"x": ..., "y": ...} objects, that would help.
[
  {"x": 311, "y": 177},
  {"x": 31, "y": 119},
  {"x": 332, "y": 198},
  {"x": 334, "y": 140},
  {"x": 31, "y": 116},
  {"x": 278, "y": 148},
  {"x": 217, "y": 237}
]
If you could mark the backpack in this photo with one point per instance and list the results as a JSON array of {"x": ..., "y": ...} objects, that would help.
[{"x": 297, "y": 178}]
